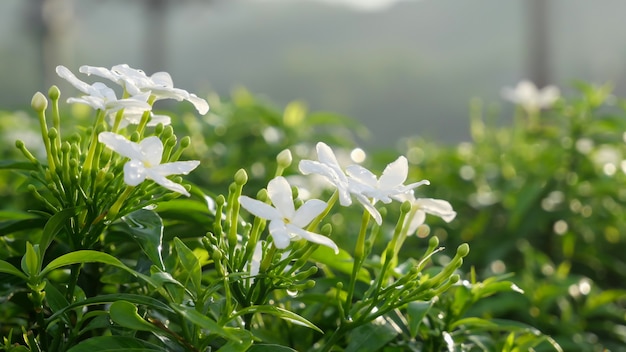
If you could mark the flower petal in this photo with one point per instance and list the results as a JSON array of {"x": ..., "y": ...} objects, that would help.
[
  {"x": 279, "y": 233},
  {"x": 121, "y": 145},
  {"x": 314, "y": 167},
  {"x": 200, "y": 104},
  {"x": 418, "y": 219},
  {"x": 259, "y": 209},
  {"x": 438, "y": 207},
  {"x": 176, "y": 168},
  {"x": 67, "y": 75},
  {"x": 394, "y": 174},
  {"x": 308, "y": 211},
  {"x": 152, "y": 150},
  {"x": 312, "y": 237},
  {"x": 165, "y": 182},
  {"x": 279, "y": 192},
  {"x": 370, "y": 208},
  {"x": 134, "y": 172},
  {"x": 362, "y": 175}
]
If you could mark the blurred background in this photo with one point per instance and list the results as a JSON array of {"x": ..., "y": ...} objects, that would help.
[{"x": 402, "y": 68}]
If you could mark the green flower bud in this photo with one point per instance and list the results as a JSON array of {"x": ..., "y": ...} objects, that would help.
[
  {"x": 463, "y": 250},
  {"x": 54, "y": 93},
  {"x": 262, "y": 195},
  {"x": 185, "y": 142},
  {"x": 241, "y": 177},
  {"x": 39, "y": 102},
  {"x": 326, "y": 229},
  {"x": 53, "y": 133},
  {"x": 406, "y": 207},
  {"x": 220, "y": 200},
  {"x": 284, "y": 158}
]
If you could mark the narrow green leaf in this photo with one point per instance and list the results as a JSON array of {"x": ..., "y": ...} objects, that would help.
[
  {"x": 416, "y": 312},
  {"x": 270, "y": 348},
  {"x": 278, "y": 312},
  {"x": 31, "y": 261},
  {"x": 14, "y": 225},
  {"x": 115, "y": 344},
  {"x": 125, "y": 314},
  {"x": 17, "y": 165},
  {"x": 371, "y": 337},
  {"x": 103, "y": 299},
  {"x": 81, "y": 257},
  {"x": 146, "y": 228},
  {"x": 246, "y": 340},
  {"x": 190, "y": 263},
  {"x": 53, "y": 226},
  {"x": 204, "y": 322},
  {"x": 7, "y": 268}
]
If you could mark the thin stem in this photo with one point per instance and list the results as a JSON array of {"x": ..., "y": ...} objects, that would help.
[{"x": 359, "y": 251}]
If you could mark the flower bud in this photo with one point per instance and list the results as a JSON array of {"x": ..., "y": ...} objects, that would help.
[
  {"x": 463, "y": 250},
  {"x": 241, "y": 177},
  {"x": 284, "y": 158},
  {"x": 185, "y": 142},
  {"x": 39, "y": 102},
  {"x": 54, "y": 93}
]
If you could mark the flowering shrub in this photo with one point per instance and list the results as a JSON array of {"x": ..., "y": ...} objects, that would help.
[{"x": 119, "y": 253}]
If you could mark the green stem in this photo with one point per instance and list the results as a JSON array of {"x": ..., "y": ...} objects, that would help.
[{"x": 359, "y": 251}]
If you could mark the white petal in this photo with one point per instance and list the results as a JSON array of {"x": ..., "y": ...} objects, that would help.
[
  {"x": 362, "y": 175},
  {"x": 308, "y": 211},
  {"x": 259, "y": 209},
  {"x": 394, "y": 174},
  {"x": 326, "y": 155},
  {"x": 121, "y": 145},
  {"x": 279, "y": 233},
  {"x": 417, "y": 220},
  {"x": 165, "y": 182},
  {"x": 162, "y": 79},
  {"x": 152, "y": 149},
  {"x": 437, "y": 207},
  {"x": 176, "y": 168},
  {"x": 100, "y": 72},
  {"x": 370, "y": 208},
  {"x": 159, "y": 119},
  {"x": 134, "y": 172},
  {"x": 255, "y": 262},
  {"x": 279, "y": 192},
  {"x": 313, "y": 237},
  {"x": 67, "y": 75},
  {"x": 314, "y": 167},
  {"x": 200, "y": 104}
]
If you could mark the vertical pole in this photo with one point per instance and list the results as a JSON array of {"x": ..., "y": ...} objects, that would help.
[{"x": 538, "y": 41}]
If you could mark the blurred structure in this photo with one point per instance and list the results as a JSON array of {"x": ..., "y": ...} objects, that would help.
[{"x": 402, "y": 67}]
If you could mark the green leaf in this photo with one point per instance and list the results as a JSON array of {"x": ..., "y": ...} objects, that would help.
[
  {"x": 115, "y": 344},
  {"x": 125, "y": 314},
  {"x": 416, "y": 312},
  {"x": 81, "y": 257},
  {"x": 278, "y": 312},
  {"x": 53, "y": 226},
  {"x": 342, "y": 262},
  {"x": 371, "y": 337},
  {"x": 17, "y": 165},
  {"x": 246, "y": 340},
  {"x": 270, "y": 348},
  {"x": 190, "y": 263},
  {"x": 204, "y": 322},
  {"x": 103, "y": 299},
  {"x": 13, "y": 225},
  {"x": 7, "y": 268},
  {"x": 31, "y": 263},
  {"x": 146, "y": 228}
]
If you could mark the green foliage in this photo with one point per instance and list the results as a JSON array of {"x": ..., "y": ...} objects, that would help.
[{"x": 93, "y": 263}]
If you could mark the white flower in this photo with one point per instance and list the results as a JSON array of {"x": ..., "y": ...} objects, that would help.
[
  {"x": 134, "y": 118},
  {"x": 255, "y": 262},
  {"x": 286, "y": 222},
  {"x": 389, "y": 185},
  {"x": 145, "y": 161},
  {"x": 422, "y": 206},
  {"x": 329, "y": 168},
  {"x": 529, "y": 97},
  {"x": 159, "y": 85},
  {"x": 101, "y": 97}
]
